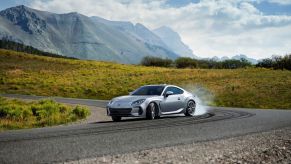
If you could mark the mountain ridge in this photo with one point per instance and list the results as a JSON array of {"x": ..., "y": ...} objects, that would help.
[
  {"x": 76, "y": 35},
  {"x": 173, "y": 40},
  {"x": 235, "y": 57}
]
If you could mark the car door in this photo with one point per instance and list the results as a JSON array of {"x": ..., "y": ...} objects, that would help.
[{"x": 173, "y": 102}]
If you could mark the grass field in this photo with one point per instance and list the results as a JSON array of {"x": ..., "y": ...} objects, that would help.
[
  {"x": 252, "y": 87},
  {"x": 16, "y": 114}
]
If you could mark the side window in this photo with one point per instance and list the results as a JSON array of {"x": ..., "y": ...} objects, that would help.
[
  {"x": 174, "y": 90},
  {"x": 178, "y": 91}
]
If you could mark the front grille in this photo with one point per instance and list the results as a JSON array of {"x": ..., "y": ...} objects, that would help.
[{"x": 120, "y": 111}]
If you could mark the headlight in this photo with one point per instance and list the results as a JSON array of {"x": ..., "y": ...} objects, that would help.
[
  {"x": 137, "y": 102},
  {"x": 110, "y": 102}
]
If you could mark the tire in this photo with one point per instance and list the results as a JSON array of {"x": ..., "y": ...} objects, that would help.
[
  {"x": 157, "y": 117},
  {"x": 151, "y": 111},
  {"x": 116, "y": 118},
  {"x": 190, "y": 109}
]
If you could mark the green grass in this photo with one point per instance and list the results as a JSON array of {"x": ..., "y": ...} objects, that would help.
[
  {"x": 16, "y": 114},
  {"x": 252, "y": 87}
]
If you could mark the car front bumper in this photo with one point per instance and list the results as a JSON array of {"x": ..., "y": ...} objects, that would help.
[
  {"x": 126, "y": 112},
  {"x": 125, "y": 109}
]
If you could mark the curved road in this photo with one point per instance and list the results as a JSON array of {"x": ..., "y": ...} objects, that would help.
[{"x": 66, "y": 143}]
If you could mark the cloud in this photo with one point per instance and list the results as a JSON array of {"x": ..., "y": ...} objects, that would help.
[
  {"x": 210, "y": 27},
  {"x": 281, "y": 2}
]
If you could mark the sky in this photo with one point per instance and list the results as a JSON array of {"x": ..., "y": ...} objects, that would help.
[{"x": 258, "y": 29}]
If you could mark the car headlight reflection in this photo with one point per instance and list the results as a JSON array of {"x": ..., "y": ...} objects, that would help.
[{"x": 137, "y": 102}]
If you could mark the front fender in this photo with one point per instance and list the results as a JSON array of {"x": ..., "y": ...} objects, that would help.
[{"x": 156, "y": 100}]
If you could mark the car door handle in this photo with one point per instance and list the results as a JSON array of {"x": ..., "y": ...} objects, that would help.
[{"x": 179, "y": 98}]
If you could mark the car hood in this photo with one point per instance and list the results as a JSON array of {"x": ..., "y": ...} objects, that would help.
[{"x": 131, "y": 98}]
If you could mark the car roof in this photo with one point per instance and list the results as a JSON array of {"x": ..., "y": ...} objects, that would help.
[
  {"x": 165, "y": 85},
  {"x": 156, "y": 85}
]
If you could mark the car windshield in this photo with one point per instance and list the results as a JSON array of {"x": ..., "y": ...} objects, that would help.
[{"x": 149, "y": 90}]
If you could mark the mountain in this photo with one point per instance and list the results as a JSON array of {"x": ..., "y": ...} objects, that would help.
[
  {"x": 173, "y": 40},
  {"x": 141, "y": 34},
  {"x": 79, "y": 36},
  {"x": 236, "y": 57},
  {"x": 224, "y": 58},
  {"x": 241, "y": 56},
  {"x": 137, "y": 31}
]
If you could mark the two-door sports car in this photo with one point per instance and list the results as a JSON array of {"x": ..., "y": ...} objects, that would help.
[{"x": 153, "y": 101}]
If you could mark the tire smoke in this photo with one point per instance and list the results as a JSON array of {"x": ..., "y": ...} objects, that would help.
[{"x": 203, "y": 98}]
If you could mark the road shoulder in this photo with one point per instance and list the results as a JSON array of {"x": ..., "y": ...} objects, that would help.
[{"x": 266, "y": 147}]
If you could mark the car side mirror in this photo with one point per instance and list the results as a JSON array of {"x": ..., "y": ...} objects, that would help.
[{"x": 168, "y": 93}]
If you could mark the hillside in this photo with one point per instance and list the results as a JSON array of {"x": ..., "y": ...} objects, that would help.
[
  {"x": 10, "y": 45},
  {"x": 29, "y": 74}
]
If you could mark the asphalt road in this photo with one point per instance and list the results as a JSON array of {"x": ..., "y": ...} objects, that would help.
[{"x": 66, "y": 143}]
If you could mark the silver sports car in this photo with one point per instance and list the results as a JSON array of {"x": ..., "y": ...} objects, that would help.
[{"x": 152, "y": 101}]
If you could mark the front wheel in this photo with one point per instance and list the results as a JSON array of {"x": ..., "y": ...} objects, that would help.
[
  {"x": 190, "y": 109},
  {"x": 151, "y": 111},
  {"x": 116, "y": 118}
]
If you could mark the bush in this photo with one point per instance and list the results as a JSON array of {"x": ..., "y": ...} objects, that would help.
[
  {"x": 81, "y": 112},
  {"x": 19, "y": 114},
  {"x": 155, "y": 61},
  {"x": 185, "y": 62},
  {"x": 232, "y": 64}
]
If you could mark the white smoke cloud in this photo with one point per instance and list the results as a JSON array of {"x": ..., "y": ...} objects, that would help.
[
  {"x": 203, "y": 97},
  {"x": 210, "y": 27}
]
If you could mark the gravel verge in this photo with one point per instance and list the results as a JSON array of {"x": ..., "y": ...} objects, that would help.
[{"x": 266, "y": 147}]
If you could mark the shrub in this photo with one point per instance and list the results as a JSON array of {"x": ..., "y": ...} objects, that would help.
[
  {"x": 155, "y": 61},
  {"x": 185, "y": 62},
  {"x": 41, "y": 113},
  {"x": 81, "y": 112},
  {"x": 232, "y": 63}
]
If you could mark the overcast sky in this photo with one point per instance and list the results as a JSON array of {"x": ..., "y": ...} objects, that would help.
[{"x": 258, "y": 29}]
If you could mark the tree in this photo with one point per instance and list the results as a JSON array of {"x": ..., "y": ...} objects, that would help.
[
  {"x": 277, "y": 62},
  {"x": 186, "y": 62}
]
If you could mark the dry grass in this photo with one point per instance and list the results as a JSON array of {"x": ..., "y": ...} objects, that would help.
[{"x": 27, "y": 74}]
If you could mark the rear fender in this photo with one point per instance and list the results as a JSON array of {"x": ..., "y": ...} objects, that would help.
[{"x": 186, "y": 102}]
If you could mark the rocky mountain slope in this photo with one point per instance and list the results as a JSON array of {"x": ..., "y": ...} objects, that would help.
[
  {"x": 174, "y": 41},
  {"x": 79, "y": 36}
]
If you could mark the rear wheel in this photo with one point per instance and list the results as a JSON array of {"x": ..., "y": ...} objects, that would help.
[
  {"x": 191, "y": 106},
  {"x": 116, "y": 118},
  {"x": 151, "y": 111}
]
